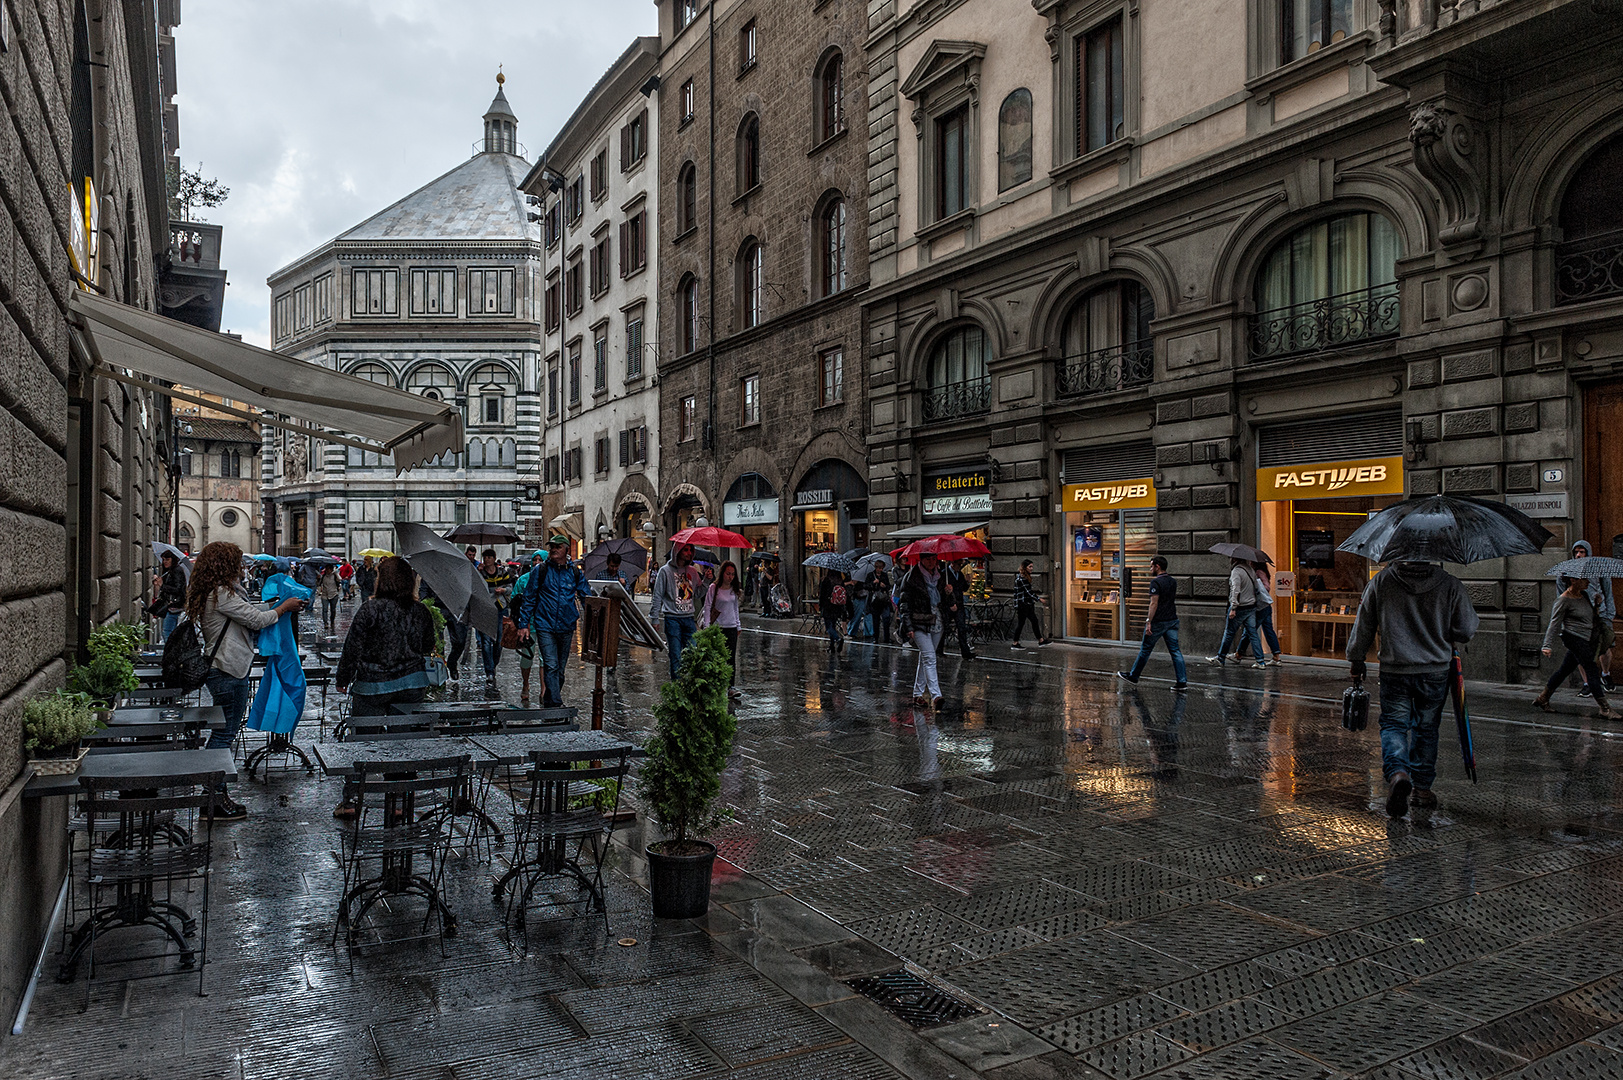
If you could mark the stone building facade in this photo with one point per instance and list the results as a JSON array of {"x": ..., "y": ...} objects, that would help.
[
  {"x": 598, "y": 187},
  {"x": 1152, "y": 276},
  {"x": 217, "y": 481},
  {"x": 84, "y": 483},
  {"x": 763, "y": 178},
  {"x": 438, "y": 295}
]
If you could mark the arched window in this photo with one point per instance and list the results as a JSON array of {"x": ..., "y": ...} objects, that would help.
[
  {"x": 432, "y": 381},
  {"x": 476, "y": 453},
  {"x": 957, "y": 383},
  {"x": 687, "y": 300},
  {"x": 831, "y": 245},
  {"x": 1014, "y": 140},
  {"x": 185, "y": 537},
  {"x": 1330, "y": 283},
  {"x": 231, "y": 463},
  {"x": 371, "y": 372},
  {"x": 509, "y": 453},
  {"x": 751, "y": 266},
  {"x": 1589, "y": 262},
  {"x": 831, "y": 96},
  {"x": 1105, "y": 343},
  {"x": 687, "y": 199},
  {"x": 749, "y": 153}
]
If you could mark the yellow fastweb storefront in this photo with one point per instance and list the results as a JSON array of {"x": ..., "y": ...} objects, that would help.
[{"x": 1109, "y": 540}]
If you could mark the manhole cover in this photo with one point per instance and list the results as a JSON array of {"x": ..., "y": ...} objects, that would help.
[{"x": 912, "y": 999}]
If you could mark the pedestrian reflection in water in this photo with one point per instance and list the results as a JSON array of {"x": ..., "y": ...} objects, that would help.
[{"x": 1160, "y": 731}]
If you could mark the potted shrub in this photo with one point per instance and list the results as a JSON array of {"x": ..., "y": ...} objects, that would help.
[
  {"x": 681, "y": 778},
  {"x": 53, "y": 724},
  {"x": 111, "y": 670}
]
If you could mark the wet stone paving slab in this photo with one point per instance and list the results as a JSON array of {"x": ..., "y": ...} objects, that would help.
[{"x": 1113, "y": 881}]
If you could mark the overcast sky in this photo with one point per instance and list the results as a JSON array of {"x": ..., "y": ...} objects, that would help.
[{"x": 319, "y": 113}]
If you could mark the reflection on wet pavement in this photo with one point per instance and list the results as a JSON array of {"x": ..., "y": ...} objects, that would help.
[{"x": 1127, "y": 881}]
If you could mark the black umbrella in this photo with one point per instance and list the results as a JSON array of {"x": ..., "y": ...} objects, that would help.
[
  {"x": 318, "y": 553},
  {"x": 1241, "y": 551},
  {"x": 482, "y": 532},
  {"x": 457, "y": 583},
  {"x": 633, "y": 558},
  {"x": 1446, "y": 528}
]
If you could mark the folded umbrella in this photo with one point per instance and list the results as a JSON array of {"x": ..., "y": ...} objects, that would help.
[
  {"x": 1241, "y": 551},
  {"x": 457, "y": 583},
  {"x": 949, "y": 546},
  {"x": 1446, "y": 528},
  {"x": 1462, "y": 718},
  {"x": 633, "y": 558},
  {"x": 1590, "y": 568},
  {"x": 710, "y": 536},
  {"x": 482, "y": 532},
  {"x": 831, "y": 560}
]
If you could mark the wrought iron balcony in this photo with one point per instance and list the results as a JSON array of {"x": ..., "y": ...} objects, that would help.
[
  {"x": 1589, "y": 269},
  {"x": 1105, "y": 370},
  {"x": 968, "y": 398},
  {"x": 1330, "y": 323}
]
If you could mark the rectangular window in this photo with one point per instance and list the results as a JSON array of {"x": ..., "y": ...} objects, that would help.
[
  {"x": 634, "y": 344},
  {"x": 433, "y": 292},
  {"x": 833, "y": 388},
  {"x": 639, "y": 445},
  {"x": 572, "y": 288},
  {"x": 323, "y": 298},
  {"x": 575, "y": 199},
  {"x": 1306, "y": 26},
  {"x": 552, "y": 306},
  {"x": 600, "y": 359},
  {"x": 574, "y": 464},
  {"x": 952, "y": 162},
  {"x": 490, "y": 292},
  {"x": 686, "y": 12},
  {"x": 552, "y": 469},
  {"x": 1099, "y": 87},
  {"x": 553, "y": 225},
  {"x": 301, "y": 308},
  {"x": 746, "y": 47},
  {"x": 749, "y": 401},
  {"x": 634, "y": 141},
  {"x": 552, "y": 387},
  {"x": 491, "y": 408},
  {"x": 687, "y": 423},
  {"x": 376, "y": 292},
  {"x": 574, "y": 373},
  {"x": 625, "y": 447},
  {"x": 600, "y": 175},
  {"x": 685, "y": 101},
  {"x": 600, "y": 265},
  {"x": 284, "y": 316},
  {"x": 601, "y": 453},
  {"x": 634, "y": 243}
]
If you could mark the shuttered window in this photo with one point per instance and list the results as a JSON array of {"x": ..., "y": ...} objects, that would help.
[
  {"x": 1117, "y": 461},
  {"x": 1331, "y": 438}
]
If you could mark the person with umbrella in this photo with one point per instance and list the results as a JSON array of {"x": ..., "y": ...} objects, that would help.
[
  {"x": 924, "y": 592},
  {"x": 346, "y": 577},
  {"x": 857, "y": 592},
  {"x": 627, "y": 581},
  {"x": 721, "y": 608},
  {"x": 768, "y": 582},
  {"x": 526, "y": 643},
  {"x": 547, "y": 609},
  {"x": 328, "y": 590},
  {"x": 881, "y": 604},
  {"x": 1600, "y": 594},
  {"x": 170, "y": 602},
  {"x": 1575, "y": 623},
  {"x": 1422, "y": 615},
  {"x": 1241, "y": 621},
  {"x": 676, "y": 586}
]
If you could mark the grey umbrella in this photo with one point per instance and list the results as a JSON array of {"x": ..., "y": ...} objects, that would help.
[
  {"x": 1592, "y": 568},
  {"x": 1241, "y": 551},
  {"x": 633, "y": 557},
  {"x": 482, "y": 532},
  {"x": 1446, "y": 528},
  {"x": 831, "y": 560},
  {"x": 456, "y": 582},
  {"x": 874, "y": 560}
]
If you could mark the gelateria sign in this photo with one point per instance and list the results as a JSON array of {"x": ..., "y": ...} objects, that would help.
[
  {"x": 1116, "y": 495},
  {"x": 1332, "y": 480},
  {"x": 958, "y": 493}
]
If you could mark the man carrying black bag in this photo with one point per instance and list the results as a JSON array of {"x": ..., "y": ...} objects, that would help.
[{"x": 1422, "y": 614}]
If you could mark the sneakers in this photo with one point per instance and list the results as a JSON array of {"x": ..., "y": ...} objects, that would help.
[
  {"x": 1180, "y": 687},
  {"x": 1264, "y": 663},
  {"x": 1044, "y": 641},
  {"x": 1019, "y": 646},
  {"x": 1126, "y": 678},
  {"x": 1584, "y": 691},
  {"x": 1219, "y": 660},
  {"x": 1606, "y": 682},
  {"x": 1397, "y": 800},
  {"x": 227, "y": 809}
]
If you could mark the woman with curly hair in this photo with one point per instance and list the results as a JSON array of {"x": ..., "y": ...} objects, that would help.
[{"x": 231, "y": 624}]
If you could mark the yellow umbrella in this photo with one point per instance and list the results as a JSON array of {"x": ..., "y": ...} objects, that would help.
[{"x": 374, "y": 553}]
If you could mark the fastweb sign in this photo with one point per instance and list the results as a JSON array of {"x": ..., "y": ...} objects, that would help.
[
  {"x": 1121, "y": 495},
  {"x": 1331, "y": 479}
]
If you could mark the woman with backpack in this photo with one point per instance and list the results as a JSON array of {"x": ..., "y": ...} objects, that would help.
[
  {"x": 231, "y": 624},
  {"x": 834, "y": 604},
  {"x": 923, "y": 596},
  {"x": 721, "y": 607}
]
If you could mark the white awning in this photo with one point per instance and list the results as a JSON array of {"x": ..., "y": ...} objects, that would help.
[
  {"x": 414, "y": 429},
  {"x": 945, "y": 528}
]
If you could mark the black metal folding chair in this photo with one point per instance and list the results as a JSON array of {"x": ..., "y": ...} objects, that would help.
[
  {"x": 390, "y": 832},
  {"x": 572, "y": 800},
  {"x": 150, "y": 838}
]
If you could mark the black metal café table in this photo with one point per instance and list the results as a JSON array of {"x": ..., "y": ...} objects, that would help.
[
  {"x": 140, "y": 908},
  {"x": 514, "y": 749},
  {"x": 210, "y": 716},
  {"x": 338, "y": 759}
]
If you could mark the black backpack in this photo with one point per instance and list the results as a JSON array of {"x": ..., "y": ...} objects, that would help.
[{"x": 185, "y": 667}]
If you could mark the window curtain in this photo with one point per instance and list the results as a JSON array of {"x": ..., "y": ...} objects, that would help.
[{"x": 959, "y": 359}]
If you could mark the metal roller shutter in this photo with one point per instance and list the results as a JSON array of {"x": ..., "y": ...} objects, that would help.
[
  {"x": 1118, "y": 461},
  {"x": 1331, "y": 438}
]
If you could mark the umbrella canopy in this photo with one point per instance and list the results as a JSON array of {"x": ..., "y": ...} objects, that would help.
[
  {"x": 1592, "y": 568},
  {"x": 856, "y": 554},
  {"x": 160, "y": 549},
  {"x": 1462, "y": 718},
  {"x": 457, "y": 583},
  {"x": 376, "y": 553},
  {"x": 874, "y": 560},
  {"x": 948, "y": 546},
  {"x": 482, "y": 532},
  {"x": 1446, "y": 528},
  {"x": 711, "y": 536},
  {"x": 764, "y": 556},
  {"x": 633, "y": 558},
  {"x": 1241, "y": 551},
  {"x": 831, "y": 560},
  {"x": 318, "y": 553}
]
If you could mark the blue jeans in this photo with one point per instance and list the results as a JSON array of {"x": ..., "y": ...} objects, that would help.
[
  {"x": 1411, "y": 712},
  {"x": 1265, "y": 628},
  {"x": 831, "y": 626},
  {"x": 490, "y": 651},
  {"x": 1168, "y": 630},
  {"x": 679, "y": 631},
  {"x": 859, "y": 615},
  {"x": 1242, "y": 627},
  {"x": 171, "y": 619},
  {"x": 231, "y": 695},
  {"x": 556, "y": 646},
  {"x": 456, "y": 633}
]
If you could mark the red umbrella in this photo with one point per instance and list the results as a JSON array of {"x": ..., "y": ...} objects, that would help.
[
  {"x": 710, "y": 536},
  {"x": 948, "y": 546}
]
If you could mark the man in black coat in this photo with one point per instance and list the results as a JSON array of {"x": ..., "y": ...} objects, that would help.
[{"x": 957, "y": 608}]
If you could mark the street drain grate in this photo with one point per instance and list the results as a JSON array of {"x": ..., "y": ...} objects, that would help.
[{"x": 912, "y": 999}]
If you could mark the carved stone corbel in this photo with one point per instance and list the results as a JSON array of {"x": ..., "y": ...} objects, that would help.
[{"x": 1450, "y": 151}]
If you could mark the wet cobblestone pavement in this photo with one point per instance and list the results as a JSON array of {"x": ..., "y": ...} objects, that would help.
[{"x": 1125, "y": 883}]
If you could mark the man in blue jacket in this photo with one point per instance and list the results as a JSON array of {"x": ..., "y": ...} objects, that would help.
[{"x": 547, "y": 609}]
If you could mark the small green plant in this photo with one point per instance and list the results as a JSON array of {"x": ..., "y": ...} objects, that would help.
[
  {"x": 58, "y": 719},
  {"x": 122, "y": 640},
  {"x": 103, "y": 679},
  {"x": 693, "y": 736}
]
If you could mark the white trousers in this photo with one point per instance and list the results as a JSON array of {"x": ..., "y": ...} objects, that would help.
[{"x": 926, "y": 678}]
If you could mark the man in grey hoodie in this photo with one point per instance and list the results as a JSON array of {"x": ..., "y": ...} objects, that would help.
[{"x": 1421, "y": 614}]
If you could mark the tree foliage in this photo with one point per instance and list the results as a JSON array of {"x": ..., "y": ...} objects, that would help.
[
  {"x": 693, "y": 737},
  {"x": 191, "y": 190}
]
